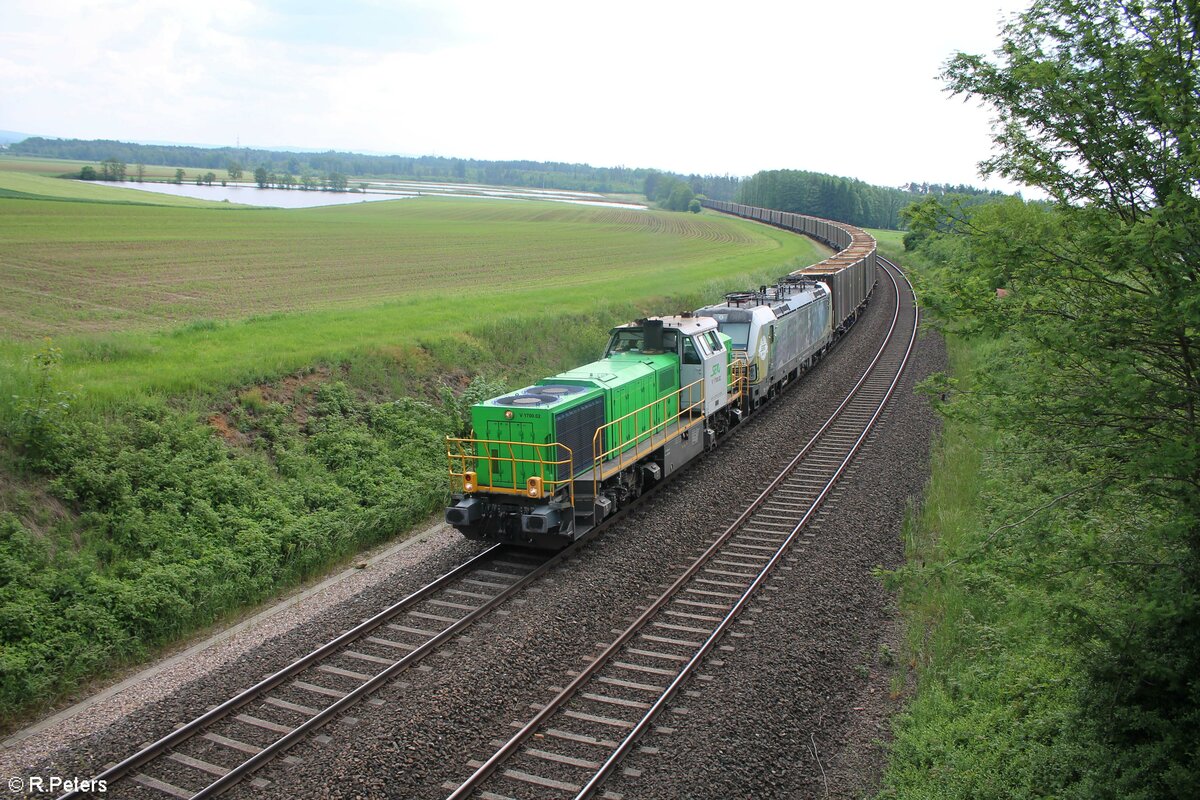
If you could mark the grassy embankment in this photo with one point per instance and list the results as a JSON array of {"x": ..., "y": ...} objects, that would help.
[
  {"x": 993, "y": 687},
  {"x": 235, "y": 399},
  {"x": 992, "y": 592}
]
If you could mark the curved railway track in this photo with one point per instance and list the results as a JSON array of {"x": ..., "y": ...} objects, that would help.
[
  {"x": 638, "y": 672},
  {"x": 577, "y": 739}
]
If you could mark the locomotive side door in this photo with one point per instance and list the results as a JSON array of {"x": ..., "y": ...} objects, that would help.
[{"x": 699, "y": 361}]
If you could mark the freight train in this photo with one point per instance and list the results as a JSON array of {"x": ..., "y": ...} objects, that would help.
[{"x": 548, "y": 463}]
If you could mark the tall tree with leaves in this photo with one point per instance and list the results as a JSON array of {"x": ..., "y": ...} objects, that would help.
[{"x": 1097, "y": 102}]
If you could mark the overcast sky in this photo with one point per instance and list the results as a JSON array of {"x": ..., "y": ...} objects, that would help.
[{"x": 848, "y": 87}]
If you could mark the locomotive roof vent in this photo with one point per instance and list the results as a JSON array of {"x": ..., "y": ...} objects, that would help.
[
  {"x": 554, "y": 390},
  {"x": 525, "y": 400}
]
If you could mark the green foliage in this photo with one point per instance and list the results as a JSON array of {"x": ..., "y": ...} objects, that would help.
[
  {"x": 112, "y": 169},
  {"x": 39, "y": 414},
  {"x": 87, "y": 173},
  {"x": 177, "y": 532},
  {"x": 668, "y": 191},
  {"x": 1096, "y": 389},
  {"x": 337, "y": 182},
  {"x": 842, "y": 199},
  {"x": 458, "y": 408}
]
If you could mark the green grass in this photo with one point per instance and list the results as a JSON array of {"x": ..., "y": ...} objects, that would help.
[
  {"x": 891, "y": 243},
  {"x": 54, "y": 167},
  {"x": 224, "y": 420},
  {"x": 993, "y": 686},
  {"x": 25, "y": 185},
  {"x": 173, "y": 300}
]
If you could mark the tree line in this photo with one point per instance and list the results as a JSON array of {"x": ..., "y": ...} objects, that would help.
[
  {"x": 1077, "y": 669},
  {"x": 814, "y": 193},
  {"x": 843, "y": 199},
  {"x": 534, "y": 174}
]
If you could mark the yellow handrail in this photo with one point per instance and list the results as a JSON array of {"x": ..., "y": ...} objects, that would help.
[
  {"x": 601, "y": 455},
  {"x": 467, "y": 452},
  {"x": 739, "y": 380}
]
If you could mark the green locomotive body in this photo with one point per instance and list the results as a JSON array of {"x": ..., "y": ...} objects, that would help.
[{"x": 550, "y": 461}]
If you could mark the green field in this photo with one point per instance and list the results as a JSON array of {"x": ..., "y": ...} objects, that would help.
[
  {"x": 55, "y": 167},
  {"x": 268, "y": 291},
  {"x": 30, "y": 186},
  {"x": 202, "y": 404},
  {"x": 891, "y": 243}
]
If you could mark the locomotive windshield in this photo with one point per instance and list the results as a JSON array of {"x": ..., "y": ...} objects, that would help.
[
  {"x": 738, "y": 331},
  {"x": 629, "y": 340}
]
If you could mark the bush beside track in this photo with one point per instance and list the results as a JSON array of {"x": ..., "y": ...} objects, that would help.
[{"x": 127, "y": 525}]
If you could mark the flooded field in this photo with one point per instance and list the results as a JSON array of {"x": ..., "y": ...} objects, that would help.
[{"x": 248, "y": 194}]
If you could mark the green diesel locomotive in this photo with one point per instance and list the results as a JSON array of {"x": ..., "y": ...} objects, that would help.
[{"x": 548, "y": 463}]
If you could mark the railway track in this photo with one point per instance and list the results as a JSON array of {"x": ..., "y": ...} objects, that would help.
[
  {"x": 262, "y": 722},
  {"x": 232, "y": 741},
  {"x": 576, "y": 741}
]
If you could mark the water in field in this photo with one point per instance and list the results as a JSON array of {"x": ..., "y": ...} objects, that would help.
[
  {"x": 297, "y": 198},
  {"x": 254, "y": 196}
]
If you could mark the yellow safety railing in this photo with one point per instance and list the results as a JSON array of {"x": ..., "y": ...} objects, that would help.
[
  {"x": 739, "y": 380},
  {"x": 466, "y": 455},
  {"x": 621, "y": 453}
]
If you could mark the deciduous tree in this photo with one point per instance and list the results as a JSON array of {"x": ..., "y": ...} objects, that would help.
[
  {"x": 112, "y": 169},
  {"x": 1097, "y": 102}
]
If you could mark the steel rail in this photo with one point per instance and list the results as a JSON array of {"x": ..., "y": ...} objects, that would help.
[
  {"x": 186, "y": 732},
  {"x": 602, "y": 774},
  {"x": 510, "y": 747}
]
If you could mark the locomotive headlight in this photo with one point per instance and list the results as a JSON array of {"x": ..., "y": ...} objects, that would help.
[
  {"x": 508, "y": 415},
  {"x": 533, "y": 486},
  {"x": 469, "y": 482}
]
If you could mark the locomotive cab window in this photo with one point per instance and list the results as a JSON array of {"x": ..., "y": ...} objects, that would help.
[
  {"x": 690, "y": 356},
  {"x": 739, "y": 332},
  {"x": 714, "y": 341},
  {"x": 633, "y": 340},
  {"x": 625, "y": 341}
]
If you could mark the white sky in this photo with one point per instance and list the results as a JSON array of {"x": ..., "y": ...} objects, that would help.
[{"x": 848, "y": 88}]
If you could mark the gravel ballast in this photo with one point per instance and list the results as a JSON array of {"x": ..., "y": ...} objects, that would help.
[{"x": 811, "y": 657}]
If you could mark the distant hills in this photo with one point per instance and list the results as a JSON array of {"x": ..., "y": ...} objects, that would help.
[{"x": 8, "y": 137}]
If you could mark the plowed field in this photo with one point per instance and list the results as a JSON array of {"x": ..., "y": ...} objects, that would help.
[{"x": 95, "y": 267}]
